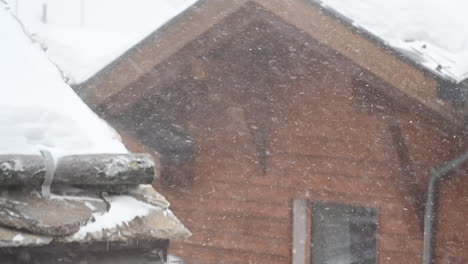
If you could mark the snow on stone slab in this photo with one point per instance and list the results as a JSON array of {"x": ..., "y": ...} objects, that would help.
[
  {"x": 130, "y": 217},
  {"x": 141, "y": 202},
  {"x": 123, "y": 209},
  {"x": 143, "y": 214},
  {"x": 82, "y": 37},
  {"x": 430, "y": 32},
  {"x": 38, "y": 109}
]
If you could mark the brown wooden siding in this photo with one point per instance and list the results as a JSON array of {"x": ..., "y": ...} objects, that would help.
[{"x": 274, "y": 121}]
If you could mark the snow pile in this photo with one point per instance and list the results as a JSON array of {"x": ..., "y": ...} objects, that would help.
[
  {"x": 82, "y": 37},
  {"x": 123, "y": 209},
  {"x": 434, "y": 33},
  {"x": 38, "y": 110},
  {"x": 18, "y": 238}
]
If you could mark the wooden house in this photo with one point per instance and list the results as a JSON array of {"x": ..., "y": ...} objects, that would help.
[{"x": 288, "y": 136}]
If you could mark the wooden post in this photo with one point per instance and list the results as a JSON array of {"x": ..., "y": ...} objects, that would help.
[{"x": 300, "y": 232}]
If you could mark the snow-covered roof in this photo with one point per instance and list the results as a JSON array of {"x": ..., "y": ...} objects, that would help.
[
  {"x": 82, "y": 37},
  {"x": 432, "y": 33},
  {"x": 39, "y": 111}
]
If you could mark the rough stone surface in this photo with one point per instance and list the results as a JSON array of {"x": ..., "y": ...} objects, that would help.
[
  {"x": 159, "y": 224},
  {"x": 51, "y": 217},
  {"x": 14, "y": 238},
  {"x": 95, "y": 170},
  {"x": 105, "y": 169},
  {"x": 146, "y": 193},
  {"x": 21, "y": 170}
]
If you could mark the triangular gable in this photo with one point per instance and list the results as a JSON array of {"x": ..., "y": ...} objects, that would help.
[{"x": 394, "y": 75}]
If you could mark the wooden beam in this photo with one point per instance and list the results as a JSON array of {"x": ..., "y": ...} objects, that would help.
[
  {"x": 412, "y": 192},
  {"x": 131, "y": 251}
]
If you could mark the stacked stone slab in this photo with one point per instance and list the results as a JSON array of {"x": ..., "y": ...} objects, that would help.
[{"x": 37, "y": 226}]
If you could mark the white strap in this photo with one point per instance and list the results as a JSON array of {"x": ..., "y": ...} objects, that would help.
[{"x": 49, "y": 172}]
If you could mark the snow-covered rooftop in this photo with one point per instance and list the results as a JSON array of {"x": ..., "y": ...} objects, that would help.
[
  {"x": 82, "y": 37},
  {"x": 433, "y": 33},
  {"x": 38, "y": 110}
]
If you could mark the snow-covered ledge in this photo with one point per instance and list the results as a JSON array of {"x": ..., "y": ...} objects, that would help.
[{"x": 95, "y": 198}]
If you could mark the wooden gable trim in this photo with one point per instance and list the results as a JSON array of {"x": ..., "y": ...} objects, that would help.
[
  {"x": 406, "y": 78},
  {"x": 168, "y": 70},
  {"x": 155, "y": 49},
  {"x": 402, "y": 102}
]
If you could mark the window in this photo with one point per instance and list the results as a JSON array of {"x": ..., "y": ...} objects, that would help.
[{"x": 343, "y": 234}]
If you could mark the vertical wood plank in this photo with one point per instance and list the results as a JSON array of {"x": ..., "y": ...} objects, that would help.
[{"x": 300, "y": 232}]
